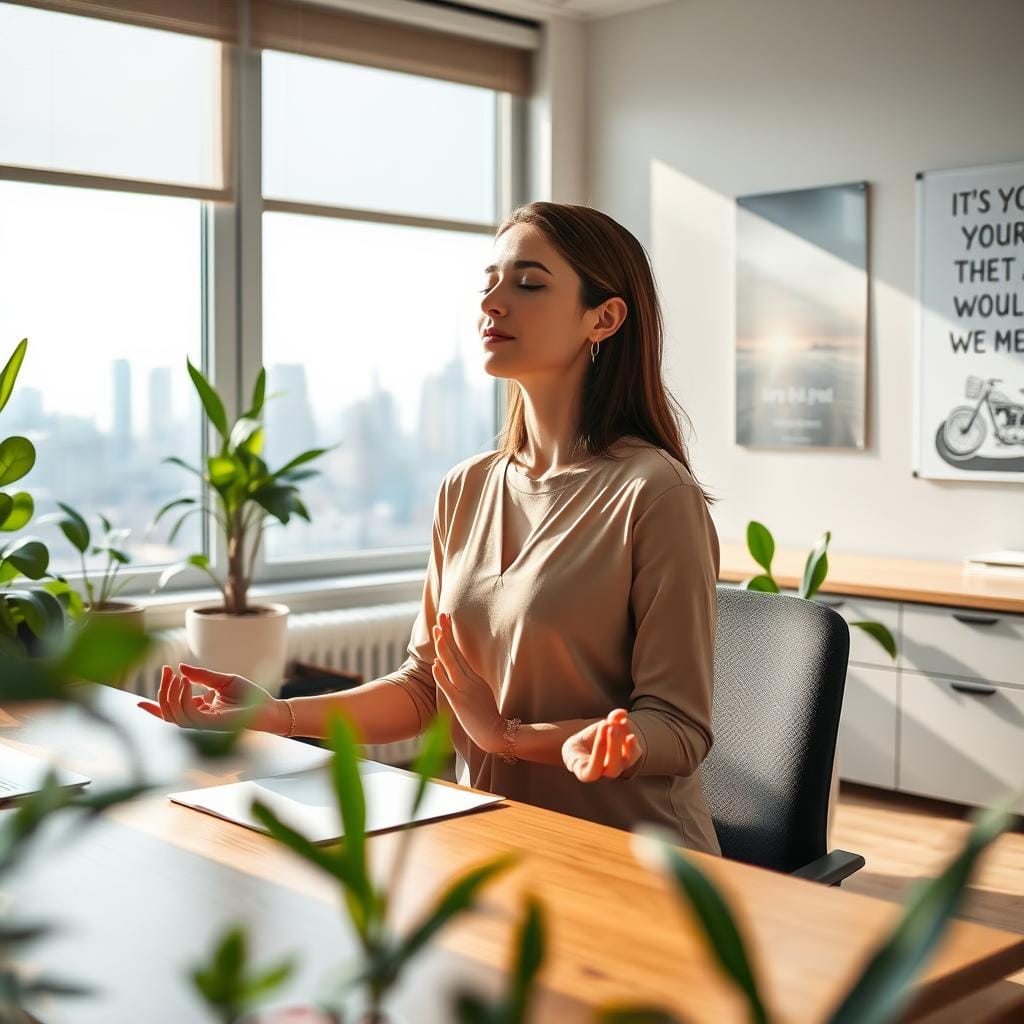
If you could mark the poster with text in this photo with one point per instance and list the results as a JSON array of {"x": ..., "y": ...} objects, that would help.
[
  {"x": 801, "y": 317},
  {"x": 969, "y": 416}
]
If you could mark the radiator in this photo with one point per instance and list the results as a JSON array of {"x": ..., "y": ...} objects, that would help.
[{"x": 370, "y": 641}]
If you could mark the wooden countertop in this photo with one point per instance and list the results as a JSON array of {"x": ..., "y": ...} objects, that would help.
[{"x": 891, "y": 579}]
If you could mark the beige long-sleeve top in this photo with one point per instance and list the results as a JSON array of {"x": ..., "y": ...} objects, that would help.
[{"x": 610, "y": 602}]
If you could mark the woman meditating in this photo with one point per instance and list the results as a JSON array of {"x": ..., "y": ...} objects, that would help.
[{"x": 568, "y": 615}]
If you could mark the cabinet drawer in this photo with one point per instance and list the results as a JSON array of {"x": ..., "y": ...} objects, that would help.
[
  {"x": 964, "y": 642},
  {"x": 962, "y": 746},
  {"x": 867, "y": 728},
  {"x": 865, "y": 649}
]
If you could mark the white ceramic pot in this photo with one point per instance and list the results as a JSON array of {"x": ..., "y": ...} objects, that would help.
[{"x": 251, "y": 645}]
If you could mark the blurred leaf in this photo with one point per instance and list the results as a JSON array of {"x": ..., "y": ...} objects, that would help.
[
  {"x": 459, "y": 897},
  {"x": 18, "y": 514},
  {"x": 278, "y": 501},
  {"x": 710, "y": 909},
  {"x": 882, "y": 991},
  {"x": 816, "y": 568},
  {"x": 164, "y": 509},
  {"x": 761, "y": 545},
  {"x": 529, "y": 959},
  {"x": 9, "y": 374},
  {"x": 259, "y": 393},
  {"x": 308, "y": 456},
  {"x": 6, "y": 506},
  {"x": 29, "y": 556},
  {"x": 762, "y": 583},
  {"x": 881, "y": 634},
  {"x": 223, "y": 470},
  {"x": 242, "y": 433},
  {"x": 175, "y": 461},
  {"x": 17, "y": 457},
  {"x": 434, "y": 750},
  {"x": 102, "y": 649},
  {"x": 211, "y": 400},
  {"x": 42, "y": 612}
]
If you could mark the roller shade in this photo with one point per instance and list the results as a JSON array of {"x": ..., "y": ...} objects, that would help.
[
  {"x": 214, "y": 19},
  {"x": 340, "y": 35}
]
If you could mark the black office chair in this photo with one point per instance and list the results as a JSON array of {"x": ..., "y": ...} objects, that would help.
[{"x": 780, "y": 670}]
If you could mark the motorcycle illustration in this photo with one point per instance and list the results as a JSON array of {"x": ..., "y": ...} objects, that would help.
[{"x": 965, "y": 427}]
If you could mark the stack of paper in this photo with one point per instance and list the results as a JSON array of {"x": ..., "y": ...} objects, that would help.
[
  {"x": 1005, "y": 561},
  {"x": 306, "y": 800}
]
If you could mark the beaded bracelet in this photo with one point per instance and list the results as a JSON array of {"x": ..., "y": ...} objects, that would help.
[{"x": 508, "y": 754}]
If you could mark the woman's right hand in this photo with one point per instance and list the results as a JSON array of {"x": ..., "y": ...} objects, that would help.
[{"x": 227, "y": 703}]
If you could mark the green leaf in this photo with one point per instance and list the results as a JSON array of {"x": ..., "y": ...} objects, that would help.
[
  {"x": 710, "y": 909},
  {"x": 102, "y": 649},
  {"x": 6, "y": 506},
  {"x": 259, "y": 393},
  {"x": 164, "y": 509},
  {"x": 309, "y": 456},
  {"x": 9, "y": 374},
  {"x": 223, "y": 470},
  {"x": 17, "y": 457},
  {"x": 348, "y": 791},
  {"x": 529, "y": 958},
  {"x": 28, "y": 556},
  {"x": 761, "y": 545},
  {"x": 175, "y": 461},
  {"x": 211, "y": 400},
  {"x": 433, "y": 753},
  {"x": 74, "y": 527},
  {"x": 278, "y": 501},
  {"x": 816, "y": 568},
  {"x": 881, "y": 634},
  {"x": 327, "y": 860},
  {"x": 42, "y": 612},
  {"x": 762, "y": 583},
  {"x": 459, "y": 897},
  {"x": 882, "y": 991},
  {"x": 243, "y": 431},
  {"x": 18, "y": 514}
]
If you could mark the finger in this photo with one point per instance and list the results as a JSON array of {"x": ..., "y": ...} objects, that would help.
[
  {"x": 613, "y": 760},
  {"x": 180, "y": 706},
  {"x": 206, "y": 676},
  {"x": 201, "y": 703},
  {"x": 618, "y": 716},
  {"x": 441, "y": 676},
  {"x": 594, "y": 764},
  {"x": 444, "y": 655},
  {"x": 166, "y": 676},
  {"x": 153, "y": 709},
  {"x": 451, "y": 646},
  {"x": 631, "y": 750}
]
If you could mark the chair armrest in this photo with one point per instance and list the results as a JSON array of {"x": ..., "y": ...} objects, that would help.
[{"x": 832, "y": 868}]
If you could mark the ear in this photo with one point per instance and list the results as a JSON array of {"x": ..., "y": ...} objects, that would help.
[{"x": 608, "y": 318}]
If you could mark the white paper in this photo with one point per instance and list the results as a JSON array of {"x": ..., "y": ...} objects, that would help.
[
  {"x": 1009, "y": 558},
  {"x": 306, "y": 800}
]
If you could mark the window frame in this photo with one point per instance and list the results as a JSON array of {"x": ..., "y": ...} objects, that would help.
[{"x": 232, "y": 300}]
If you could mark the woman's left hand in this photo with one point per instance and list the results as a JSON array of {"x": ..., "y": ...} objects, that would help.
[
  {"x": 470, "y": 697},
  {"x": 604, "y": 749}
]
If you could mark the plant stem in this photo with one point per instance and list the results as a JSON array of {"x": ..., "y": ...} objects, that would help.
[{"x": 236, "y": 583}]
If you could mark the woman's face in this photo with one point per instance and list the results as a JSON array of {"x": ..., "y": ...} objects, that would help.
[{"x": 532, "y": 294}]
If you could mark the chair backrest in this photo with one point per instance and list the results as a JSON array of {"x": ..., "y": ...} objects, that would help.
[{"x": 780, "y": 671}]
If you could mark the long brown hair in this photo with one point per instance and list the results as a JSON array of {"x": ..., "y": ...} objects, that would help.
[{"x": 623, "y": 391}]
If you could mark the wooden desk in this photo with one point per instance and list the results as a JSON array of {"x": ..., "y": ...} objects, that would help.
[
  {"x": 144, "y": 892},
  {"x": 893, "y": 579}
]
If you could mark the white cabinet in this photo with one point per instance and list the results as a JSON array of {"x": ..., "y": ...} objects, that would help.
[
  {"x": 960, "y": 739},
  {"x": 867, "y": 728},
  {"x": 865, "y": 649},
  {"x": 968, "y": 643}
]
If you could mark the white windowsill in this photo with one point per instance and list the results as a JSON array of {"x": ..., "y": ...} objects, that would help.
[{"x": 165, "y": 611}]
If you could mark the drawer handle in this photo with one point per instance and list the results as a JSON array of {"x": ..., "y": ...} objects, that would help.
[
  {"x": 976, "y": 620},
  {"x": 980, "y": 691}
]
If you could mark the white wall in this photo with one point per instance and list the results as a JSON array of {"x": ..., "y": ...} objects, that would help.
[{"x": 695, "y": 102}]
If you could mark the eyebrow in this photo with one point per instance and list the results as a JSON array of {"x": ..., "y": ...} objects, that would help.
[{"x": 520, "y": 265}]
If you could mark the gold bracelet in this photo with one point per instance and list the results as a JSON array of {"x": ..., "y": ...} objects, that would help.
[
  {"x": 508, "y": 754},
  {"x": 291, "y": 711}
]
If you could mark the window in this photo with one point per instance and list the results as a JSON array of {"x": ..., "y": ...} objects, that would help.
[
  {"x": 106, "y": 287},
  {"x": 369, "y": 328}
]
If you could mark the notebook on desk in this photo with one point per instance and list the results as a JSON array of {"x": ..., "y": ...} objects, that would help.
[
  {"x": 22, "y": 774},
  {"x": 306, "y": 801}
]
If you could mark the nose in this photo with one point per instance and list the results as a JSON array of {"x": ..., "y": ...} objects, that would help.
[{"x": 491, "y": 304}]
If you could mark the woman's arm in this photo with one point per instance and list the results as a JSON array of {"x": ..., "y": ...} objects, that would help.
[{"x": 379, "y": 711}]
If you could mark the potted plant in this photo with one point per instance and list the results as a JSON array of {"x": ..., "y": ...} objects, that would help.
[
  {"x": 761, "y": 545},
  {"x": 241, "y": 496},
  {"x": 99, "y": 597}
]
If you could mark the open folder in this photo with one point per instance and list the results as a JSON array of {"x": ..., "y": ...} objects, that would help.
[{"x": 306, "y": 800}]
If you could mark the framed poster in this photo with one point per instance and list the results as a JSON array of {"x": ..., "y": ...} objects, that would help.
[
  {"x": 969, "y": 378},
  {"x": 802, "y": 317}
]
